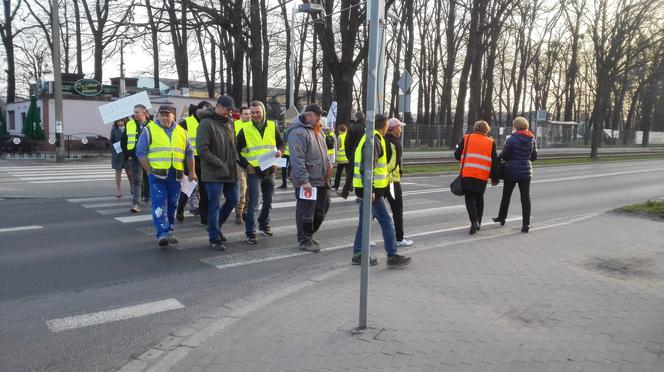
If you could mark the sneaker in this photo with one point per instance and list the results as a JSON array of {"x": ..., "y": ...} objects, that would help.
[
  {"x": 163, "y": 241},
  {"x": 134, "y": 209},
  {"x": 173, "y": 239},
  {"x": 372, "y": 243},
  {"x": 315, "y": 241},
  {"x": 357, "y": 259},
  {"x": 251, "y": 240},
  {"x": 217, "y": 245},
  {"x": 404, "y": 243},
  {"x": 266, "y": 231},
  {"x": 222, "y": 237},
  {"x": 309, "y": 246},
  {"x": 397, "y": 261}
]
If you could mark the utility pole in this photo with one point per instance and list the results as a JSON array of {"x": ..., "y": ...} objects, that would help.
[
  {"x": 374, "y": 9},
  {"x": 57, "y": 83},
  {"x": 123, "y": 87},
  {"x": 291, "y": 73}
]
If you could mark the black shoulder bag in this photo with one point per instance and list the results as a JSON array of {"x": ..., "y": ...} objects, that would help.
[{"x": 456, "y": 186}]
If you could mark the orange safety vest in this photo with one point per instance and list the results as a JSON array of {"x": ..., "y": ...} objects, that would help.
[{"x": 477, "y": 151}]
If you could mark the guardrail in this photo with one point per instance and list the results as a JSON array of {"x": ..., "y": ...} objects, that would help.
[{"x": 541, "y": 156}]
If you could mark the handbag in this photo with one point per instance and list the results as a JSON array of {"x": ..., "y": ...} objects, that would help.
[{"x": 456, "y": 186}]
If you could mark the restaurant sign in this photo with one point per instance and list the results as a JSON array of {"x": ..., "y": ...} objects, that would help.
[{"x": 88, "y": 87}]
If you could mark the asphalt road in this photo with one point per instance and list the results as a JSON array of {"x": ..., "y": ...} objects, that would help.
[{"x": 84, "y": 286}]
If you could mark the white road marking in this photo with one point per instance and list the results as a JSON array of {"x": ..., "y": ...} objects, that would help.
[
  {"x": 123, "y": 313},
  {"x": 74, "y": 180},
  {"x": 21, "y": 228},
  {"x": 88, "y": 200},
  {"x": 68, "y": 178}
]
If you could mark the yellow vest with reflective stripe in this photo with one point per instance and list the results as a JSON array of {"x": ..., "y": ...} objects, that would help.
[
  {"x": 132, "y": 133},
  {"x": 238, "y": 125},
  {"x": 192, "y": 126},
  {"x": 164, "y": 152},
  {"x": 381, "y": 179},
  {"x": 257, "y": 145},
  {"x": 341, "y": 152},
  {"x": 286, "y": 150}
]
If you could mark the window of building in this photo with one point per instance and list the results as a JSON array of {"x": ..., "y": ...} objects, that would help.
[{"x": 12, "y": 120}]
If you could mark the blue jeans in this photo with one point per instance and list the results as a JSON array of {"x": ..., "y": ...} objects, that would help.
[
  {"x": 164, "y": 194},
  {"x": 256, "y": 186},
  {"x": 216, "y": 216},
  {"x": 379, "y": 211}
]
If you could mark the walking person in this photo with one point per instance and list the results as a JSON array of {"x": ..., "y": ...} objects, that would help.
[
  {"x": 519, "y": 151},
  {"x": 190, "y": 124},
  {"x": 118, "y": 160},
  {"x": 378, "y": 189},
  {"x": 477, "y": 151},
  {"x": 285, "y": 171},
  {"x": 355, "y": 133},
  {"x": 241, "y": 208},
  {"x": 216, "y": 147},
  {"x": 310, "y": 168},
  {"x": 395, "y": 194},
  {"x": 133, "y": 131},
  {"x": 342, "y": 159},
  {"x": 162, "y": 149},
  {"x": 256, "y": 139}
]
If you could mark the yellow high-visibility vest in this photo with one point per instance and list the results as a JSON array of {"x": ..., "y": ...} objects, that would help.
[
  {"x": 330, "y": 151},
  {"x": 286, "y": 150},
  {"x": 192, "y": 126},
  {"x": 341, "y": 152},
  {"x": 165, "y": 152},
  {"x": 380, "y": 176},
  {"x": 238, "y": 125},
  {"x": 132, "y": 133},
  {"x": 392, "y": 166},
  {"x": 257, "y": 145}
]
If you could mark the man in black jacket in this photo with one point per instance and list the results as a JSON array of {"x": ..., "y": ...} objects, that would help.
[{"x": 215, "y": 140}]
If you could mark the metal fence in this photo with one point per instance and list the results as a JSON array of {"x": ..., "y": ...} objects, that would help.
[{"x": 76, "y": 145}]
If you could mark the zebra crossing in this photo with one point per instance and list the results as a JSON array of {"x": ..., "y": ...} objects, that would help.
[{"x": 54, "y": 173}]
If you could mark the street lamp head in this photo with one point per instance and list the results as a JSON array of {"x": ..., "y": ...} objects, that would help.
[{"x": 311, "y": 8}]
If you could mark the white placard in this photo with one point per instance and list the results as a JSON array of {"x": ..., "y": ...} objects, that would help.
[
  {"x": 118, "y": 147},
  {"x": 282, "y": 162},
  {"x": 265, "y": 161},
  {"x": 306, "y": 195},
  {"x": 123, "y": 107},
  {"x": 187, "y": 187}
]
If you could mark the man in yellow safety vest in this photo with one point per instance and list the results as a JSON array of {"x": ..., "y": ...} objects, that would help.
[{"x": 132, "y": 132}]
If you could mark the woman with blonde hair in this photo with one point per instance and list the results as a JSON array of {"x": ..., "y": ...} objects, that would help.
[
  {"x": 519, "y": 150},
  {"x": 477, "y": 153}
]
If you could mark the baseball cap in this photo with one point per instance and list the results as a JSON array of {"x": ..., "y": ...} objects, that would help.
[
  {"x": 393, "y": 123},
  {"x": 315, "y": 109},
  {"x": 167, "y": 108},
  {"x": 226, "y": 101}
]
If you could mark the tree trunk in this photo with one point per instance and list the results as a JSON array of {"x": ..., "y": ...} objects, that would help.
[{"x": 8, "y": 41}]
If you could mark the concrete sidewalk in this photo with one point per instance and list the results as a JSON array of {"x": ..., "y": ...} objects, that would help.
[{"x": 579, "y": 295}]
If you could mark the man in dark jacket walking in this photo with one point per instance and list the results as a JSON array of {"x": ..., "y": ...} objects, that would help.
[
  {"x": 215, "y": 140},
  {"x": 310, "y": 169},
  {"x": 355, "y": 133}
]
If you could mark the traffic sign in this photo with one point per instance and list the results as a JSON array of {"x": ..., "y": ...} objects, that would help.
[
  {"x": 16, "y": 140},
  {"x": 51, "y": 140},
  {"x": 405, "y": 82},
  {"x": 541, "y": 115},
  {"x": 84, "y": 141},
  {"x": 404, "y": 103}
]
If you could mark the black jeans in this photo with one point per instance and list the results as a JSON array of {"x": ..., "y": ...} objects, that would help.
[
  {"x": 396, "y": 204},
  {"x": 285, "y": 171},
  {"x": 337, "y": 177},
  {"x": 310, "y": 214},
  {"x": 474, "y": 206},
  {"x": 524, "y": 190}
]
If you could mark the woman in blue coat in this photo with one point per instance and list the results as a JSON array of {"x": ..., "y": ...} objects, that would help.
[{"x": 519, "y": 150}]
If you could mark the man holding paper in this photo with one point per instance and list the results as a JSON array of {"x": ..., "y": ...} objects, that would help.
[
  {"x": 259, "y": 144},
  {"x": 310, "y": 173}
]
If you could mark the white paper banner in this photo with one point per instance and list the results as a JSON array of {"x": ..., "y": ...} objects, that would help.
[
  {"x": 117, "y": 146},
  {"x": 124, "y": 107}
]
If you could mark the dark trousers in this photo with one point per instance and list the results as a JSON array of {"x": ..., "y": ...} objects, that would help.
[
  {"x": 396, "y": 204},
  {"x": 474, "y": 206},
  {"x": 202, "y": 200},
  {"x": 348, "y": 185},
  {"x": 337, "y": 177},
  {"x": 258, "y": 185},
  {"x": 310, "y": 214},
  {"x": 524, "y": 190},
  {"x": 285, "y": 171}
]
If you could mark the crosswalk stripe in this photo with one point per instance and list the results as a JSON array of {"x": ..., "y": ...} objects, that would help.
[
  {"x": 47, "y": 167},
  {"x": 72, "y": 180},
  {"x": 46, "y": 174}
]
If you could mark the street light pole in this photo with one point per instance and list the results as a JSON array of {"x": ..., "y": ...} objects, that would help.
[
  {"x": 57, "y": 82},
  {"x": 291, "y": 70}
]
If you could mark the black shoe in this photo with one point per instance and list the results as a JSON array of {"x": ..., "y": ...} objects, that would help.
[
  {"x": 179, "y": 217},
  {"x": 251, "y": 240},
  {"x": 163, "y": 241},
  {"x": 217, "y": 245},
  {"x": 222, "y": 237},
  {"x": 499, "y": 220},
  {"x": 173, "y": 239},
  {"x": 357, "y": 259},
  {"x": 283, "y": 186},
  {"x": 473, "y": 229},
  {"x": 525, "y": 228},
  {"x": 309, "y": 246},
  {"x": 397, "y": 260},
  {"x": 266, "y": 231}
]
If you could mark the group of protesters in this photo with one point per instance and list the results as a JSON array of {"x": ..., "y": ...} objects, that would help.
[{"x": 224, "y": 151}]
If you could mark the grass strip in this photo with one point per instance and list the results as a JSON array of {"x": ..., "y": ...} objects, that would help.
[
  {"x": 650, "y": 208},
  {"x": 438, "y": 168}
]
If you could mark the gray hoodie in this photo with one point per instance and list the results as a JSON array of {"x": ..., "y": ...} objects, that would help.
[{"x": 308, "y": 155}]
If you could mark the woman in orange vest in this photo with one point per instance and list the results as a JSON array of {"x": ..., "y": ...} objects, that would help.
[{"x": 477, "y": 152}]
